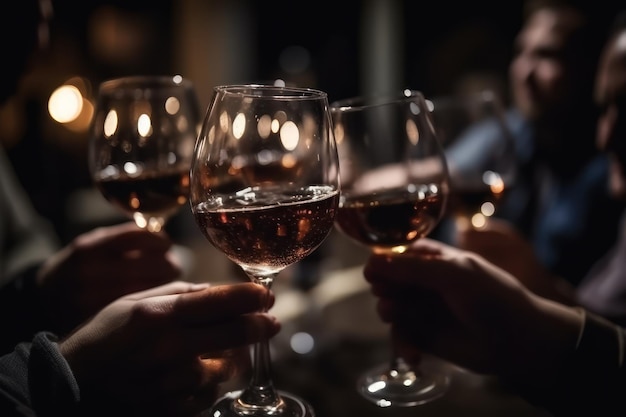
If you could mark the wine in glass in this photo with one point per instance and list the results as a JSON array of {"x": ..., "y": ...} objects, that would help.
[
  {"x": 142, "y": 138},
  {"x": 265, "y": 191},
  {"x": 394, "y": 190},
  {"x": 480, "y": 152}
]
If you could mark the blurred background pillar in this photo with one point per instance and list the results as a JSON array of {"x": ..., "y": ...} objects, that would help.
[
  {"x": 214, "y": 43},
  {"x": 382, "y": 46}
]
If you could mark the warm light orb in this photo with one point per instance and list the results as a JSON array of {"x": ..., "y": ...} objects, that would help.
[
  {"x": 478, "y": 220},
  {"x": 144, "y": 125},
  {"x": 289, "y": 135},
  {"x": 275, "y": 126},
  {"x": 412, "y": 131},
  {"x": 65, "y": 104},
  {"x": 487, "y": 209},
  {"x": 264, "y": 126},
  {"x": 172, "y": 105},
  {"x": 239, "y": 125},
  {"x": 110, "y": 123}
]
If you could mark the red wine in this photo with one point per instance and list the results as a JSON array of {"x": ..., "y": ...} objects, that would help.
[
  {"x": 393, "y": 218},
  {"x": 267, "y": 228},
  {"x": 153, "y": 194}
]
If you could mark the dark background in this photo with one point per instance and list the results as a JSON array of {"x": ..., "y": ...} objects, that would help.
[{"x": 440, "y": 47}]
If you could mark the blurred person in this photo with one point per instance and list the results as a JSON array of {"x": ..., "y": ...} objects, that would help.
[
  {"x": 44, "y": 286},
  {"x": 559, "y": 201},
  {"x": 160, "y": 352},
  {"x": 564, "y": 357},
  {"x": 603, "y": 288}
]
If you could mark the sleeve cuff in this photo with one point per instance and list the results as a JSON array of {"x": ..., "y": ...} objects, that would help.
[
  {"x": 54, "y": 390},
  {"x": 592, "y": 380}
]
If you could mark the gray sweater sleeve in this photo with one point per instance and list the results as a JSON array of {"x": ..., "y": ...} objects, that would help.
[{"x": 35, "y": 380}]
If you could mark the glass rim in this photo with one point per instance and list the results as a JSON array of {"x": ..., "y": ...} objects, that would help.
[
  {"x": 146, "y": 81},
  {"x": 376, "y": 100},
  {"x": 280, "y": 92},
  {"x": 487, "y": 96}
]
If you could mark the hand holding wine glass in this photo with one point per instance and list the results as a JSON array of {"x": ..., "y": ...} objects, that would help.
[
  {"x": 141, "y": 145},
  {"x": 394, "y": 188},
  {"x": 264, "y": 191}
]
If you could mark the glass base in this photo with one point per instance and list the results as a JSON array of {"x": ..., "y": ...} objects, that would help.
[
  {"x": 387, "y": 388},
  {"x": 291, "y": 406}
]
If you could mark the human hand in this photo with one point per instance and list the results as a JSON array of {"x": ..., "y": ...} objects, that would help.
[
  {"x": 164, "y": 351},
  {"x": 456, "y": 305},
  {"x": 500, "y": 243},
  {"x": 99, "y": 266}
]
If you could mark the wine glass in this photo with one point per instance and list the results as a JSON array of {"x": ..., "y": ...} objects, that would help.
[
  {"x": 394, "y": 190},
  {"x": 480, "y": 151},
  {"x": 142, "y": 138},
  {"x": 265, "y": 191}
]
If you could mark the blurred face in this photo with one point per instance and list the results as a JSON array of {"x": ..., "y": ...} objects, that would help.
[
  {"x": 540, "y": 73},
  {"x": 610, "y": 95}
]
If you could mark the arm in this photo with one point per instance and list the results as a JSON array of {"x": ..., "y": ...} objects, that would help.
[
  {"x": 500, "y": 243},
  {"x": 37, "y": 373},
  {"x": 160, "y": 352},
  {"x": 592, "y": 380}
]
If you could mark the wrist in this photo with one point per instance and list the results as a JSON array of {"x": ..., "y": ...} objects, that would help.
[
  {"x": 542, "y": 343},
  {"x": 587, "y": 369}
]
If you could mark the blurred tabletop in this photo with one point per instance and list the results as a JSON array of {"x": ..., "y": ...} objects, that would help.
[{"x": 331, "y": 334}]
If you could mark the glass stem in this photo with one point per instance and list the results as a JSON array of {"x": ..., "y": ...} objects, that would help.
[
  {"x": 398, "y": 366},
  {"x": 260, "y": 395}
]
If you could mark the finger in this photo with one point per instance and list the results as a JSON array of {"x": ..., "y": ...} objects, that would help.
[
  {"x": 427, "y": 247},
  {"x": 175, "y": 287},
  {"x": 410, "y": 307},
  {"x": 190, "y": 374},
  {"x": 218, "y": 372},
  {"x": 428, "y": 269},
  {"x": 383, "y": 287},
  {"x": 226, "y": 364},
  {"x": 111, "y": 283},
  {"x": 237, "y": 332},
  {"x": 422, "y": 327},
  {"x": 222, "y": 301}
]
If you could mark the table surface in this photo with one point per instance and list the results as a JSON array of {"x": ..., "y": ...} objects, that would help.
[{"x": 339, "y": 314}]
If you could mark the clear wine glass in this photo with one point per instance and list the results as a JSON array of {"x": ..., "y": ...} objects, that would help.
[
  {"x": 265, "y": 191},
  {"x": 480, "y": 151},
  {"x": 394, "y": 190},
  {"x": 141, "y": 145}
]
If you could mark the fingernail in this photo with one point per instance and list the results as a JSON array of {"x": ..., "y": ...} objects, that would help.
[{"x": 272, "y": 318}]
